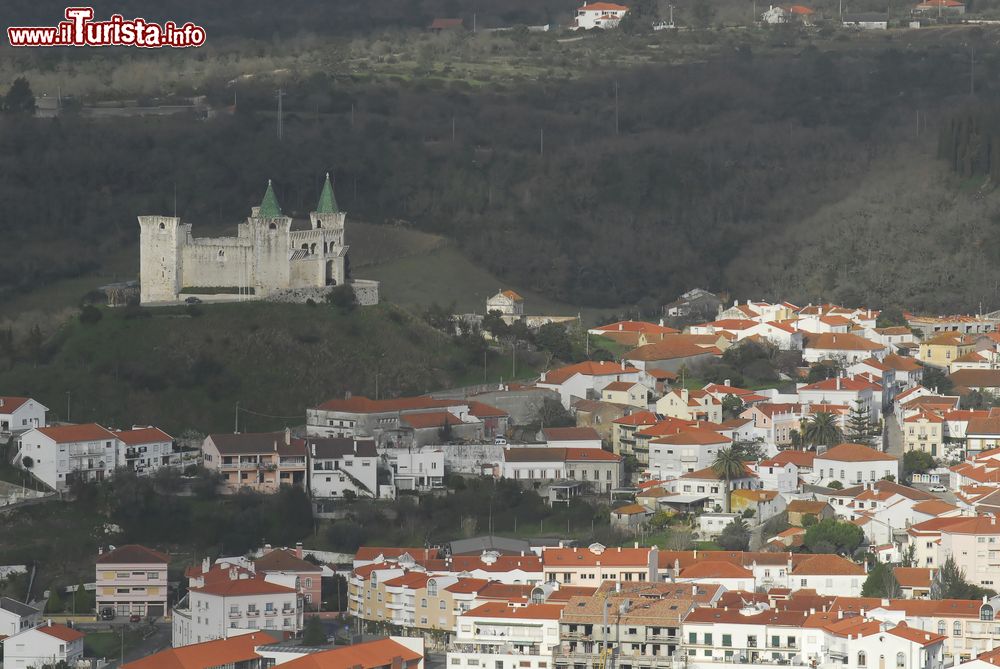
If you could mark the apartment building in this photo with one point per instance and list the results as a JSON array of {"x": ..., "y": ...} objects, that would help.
[
  {"x": 855, "y": 463},
  {"x": 144, "y": 450},
  {"x": 132, "y": 580},
  {"x": 259, "y": 461},
  {"x": 381, "y": 420},
  {"x": 55, "y": 454},
  {"x": 505, "y": 636},
  {"x": 224, "y": 599},
  {"x": 687, "y": 451},
  {"x": 290, "y": 562}
]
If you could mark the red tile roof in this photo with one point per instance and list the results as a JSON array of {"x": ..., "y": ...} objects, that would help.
[
  {"x": 243, "y": 586},
  {"x": 913, "y": 577},
  {"x": 855, "y": 453},
  {"x": 635, "y": 326},
  {"x": 481, "y": 410},
  {"x": 65, "y": 434},
  {"x": 638, "y": 418},
  {"x": 826, "y": 564},
  {"x": 715, "y": 569},
  {"x": 60, "y": 632},
  {"x": 587, "y": 368},
  {"x": 503, "y": 610},
  {"x": 571, "y": 434},
  {"x": 133, "y": 554},
  {"x": 801, "y": 459},
  {"x": 841, "y": 341},
  {"x": 143, "y": 435},
  {"x": 10, "y": 404},
  {"x": 217, "y": 653},
  {"x": 467, "y": 585},
  {"x": 916, "y": 635},
  {"x": 368, "y": 655}
]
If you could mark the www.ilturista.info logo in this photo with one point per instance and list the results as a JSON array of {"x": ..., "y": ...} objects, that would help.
[{"x": 79, "y": 29}]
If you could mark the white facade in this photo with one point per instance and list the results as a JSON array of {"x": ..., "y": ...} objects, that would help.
[
  {"x": 500, "y": 636},
  {"x": 47, "y": 645},
  {"x": 337, "y": 466},
  {"x": 220, "y": 610},
  {"x": 20, "y": 414},
  {"x": 851, "y": 472},
  {"x": 416, "y": 469},
  {"x": 599, "y": 15},
  {"x": 54, "y": 453},
  {"x": 16, "y": 617},
  {"x": 670, "y": 457}
]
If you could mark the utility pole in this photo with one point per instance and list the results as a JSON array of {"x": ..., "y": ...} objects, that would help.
[
  {"x": 616, "y": 106},
  {"x": 541, "y": 141},
  {"x": 453, "y": 129},
  {"x": 513, "y": 360},
  {"x": 236, "y": 424},
  {"x": 972, "y": 73},
  {"x": 68, "y": 395},
  {"x": 280, "y": 94}
]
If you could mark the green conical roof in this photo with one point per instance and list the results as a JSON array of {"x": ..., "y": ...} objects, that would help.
[
  {"x": 269, "y": 207},
  {"x": 327, "y": 201}
]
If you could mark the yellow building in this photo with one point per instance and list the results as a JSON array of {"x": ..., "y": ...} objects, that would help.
[
  {"x": 924, "y": 431},
  {"x": 690, "y": 405},
  {"x": 627, "y": 392},
  {"x": 943, "y": 348}
]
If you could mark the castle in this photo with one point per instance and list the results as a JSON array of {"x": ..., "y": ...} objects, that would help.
[{"x": 271, "y": 255}]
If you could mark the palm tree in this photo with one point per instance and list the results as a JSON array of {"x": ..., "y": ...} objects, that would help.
[
  {"x": 729, "y": 466},
  {"x": 822, "y": 429}
]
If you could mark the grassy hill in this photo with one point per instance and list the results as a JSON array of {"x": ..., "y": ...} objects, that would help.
[{"x": 185, "y": 369}]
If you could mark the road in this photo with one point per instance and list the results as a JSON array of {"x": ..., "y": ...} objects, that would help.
[{"x": 157, "y": 640}]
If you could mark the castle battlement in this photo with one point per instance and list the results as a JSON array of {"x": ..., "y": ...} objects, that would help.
[{"x": 266, "y": 257}]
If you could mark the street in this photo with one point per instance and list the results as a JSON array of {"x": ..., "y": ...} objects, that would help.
[{"x": 157, "y": 639}]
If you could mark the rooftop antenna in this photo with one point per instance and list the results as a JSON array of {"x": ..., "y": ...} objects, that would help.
[{"x": 280, "y": 93}]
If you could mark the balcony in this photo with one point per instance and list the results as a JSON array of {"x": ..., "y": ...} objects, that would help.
[
  {"x": 253, "y": 613},
  {"x": 792, "y": 646},
  {"x": 235, "y": 614},
  {"x": 663, "y": 637},
  {"x": 270, "y": 612}
]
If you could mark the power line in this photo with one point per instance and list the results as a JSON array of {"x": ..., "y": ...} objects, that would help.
[{"x": 265, "y": 415}]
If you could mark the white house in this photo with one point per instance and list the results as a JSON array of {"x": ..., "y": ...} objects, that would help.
[
  {"x": 416, "y": 468},
  {"x": 571, "y": 437},
  {"x": 341, "y": 464},
  {"x": 53, "y": 453},
  {"x": 145, "y": 449},
  {"x": 16, "y": 617},
  {"x": 852, "y": 464},
  {"x": 506, "y": 635},
  {"x": 507, "y": 302},
  {"x": 224, "y": 599},
  {"x": 846, "y": 391},
  {"x": 599, "y": 15},
  {"x": 687, "y": 451},
  {"x": 45, "y": 645},
  {"x": 20, "y": 414},
  {"x": 586, "y": 379},
  {"x": 843, "y": 347}
]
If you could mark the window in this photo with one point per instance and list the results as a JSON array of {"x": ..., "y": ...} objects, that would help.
[
  {"x": 727, "y": 640},
  {"x": 986, "y": 613},
  {"x": 900, "y": 660},
  {"x": 441, "y": 605},
  {"x": 423, "y": 602},
  {"x": 957, "y": 628},
  {"x": 708, "y": 639},
  {"x": 862, "y": 660},
  {"x": 692, "y": 638}
]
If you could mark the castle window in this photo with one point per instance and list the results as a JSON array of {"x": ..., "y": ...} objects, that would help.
[
  {"x": 222, "y": 254},
  {"x": 162, "y": 226},
  {"x": 272, "y": 226},
  {"x": 312, "y": 249}
]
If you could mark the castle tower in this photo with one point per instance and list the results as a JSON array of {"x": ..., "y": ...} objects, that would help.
[
  {"x": 161, "y": 239},
  {"x": 330, "y": 221},
  {"x": 270, "y": 230}
]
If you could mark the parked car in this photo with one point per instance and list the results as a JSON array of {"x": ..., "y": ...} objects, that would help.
[
  {"x": 499, "y": 441},
  {"x": 193, "y": 300},
  {"x": 937, "y": 487},
  {"x": 107, "y": 613},
  {"x": 135, "y": 618}
]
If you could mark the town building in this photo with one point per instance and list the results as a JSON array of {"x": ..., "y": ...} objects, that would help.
[
  {"x": 20, "y": 414},
  {"x": 855, "y": 463},
  {"x": 503, "y": 636},
  {"x": 15, "y": 617},
  {"x": 258, "y": 461},
  {"x": 506, "y": 303},
  {"x": 55, "y": 454},
  {"x": 290, "y": 562},
  {"x": 132, "y": 580},
  {"x": 46, "y": 645},
  {"x": 340, "y": 466},
  {"x": 602, "y": 15}
]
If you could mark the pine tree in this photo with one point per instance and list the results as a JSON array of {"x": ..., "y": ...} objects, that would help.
[{"x": 860, "y": 429}]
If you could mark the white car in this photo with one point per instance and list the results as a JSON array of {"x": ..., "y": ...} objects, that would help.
[{"x": 938, "y": 488}]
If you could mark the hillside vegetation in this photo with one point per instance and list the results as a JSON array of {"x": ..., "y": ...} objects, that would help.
[{"x": 186, "y": 368}]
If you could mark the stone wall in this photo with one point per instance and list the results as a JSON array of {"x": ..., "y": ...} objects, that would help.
[{"x": 366, "y": 292}]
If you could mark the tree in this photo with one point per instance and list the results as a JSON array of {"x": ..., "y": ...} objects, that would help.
[
  {"x": 83, "y": 601},
  {"x": 735, "y": 536},
  {"x": 822, "y": 429},
  {"x": 881, "y": 582},
  {"x": 937, "y": 380},
  {"x": 313, "y": 633},
  {"x": 552, "y": 414},
  {"x": 949, "y": 583},
  {"x": 860, "y": 429},
  {"x": 728, "y": 466},
  {"x": 835, "y": 485},
  {"x": 342, "y": 297},
  {"x": 19, "y": 99},
  {"x": 703, "y": 13},
  {"x": 731, "y": 406},
  {"x": 809, "y": 520},
  {"x": 749, "y": 449},
  {"x": 553, "y": 338},
  {"x": 54, "y": 604},
  {"x": 27, "y": 462},
  {"x": 833, "y": 536},
  {"x": 917, "y": 462}
]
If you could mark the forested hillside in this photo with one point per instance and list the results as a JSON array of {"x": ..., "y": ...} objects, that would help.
[{"x": 693, "y": 173}]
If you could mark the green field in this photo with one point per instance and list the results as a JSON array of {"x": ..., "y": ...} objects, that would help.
[{"x": 109, "y": 644}]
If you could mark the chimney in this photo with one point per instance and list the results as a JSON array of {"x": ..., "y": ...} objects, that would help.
[
  {"x": 100, "y": 549},
  {"x": 862, "y": 613},
  {"x": 267, "y": 548},
  {"x": 694, "y": 590},
  {"x": 838, "y": 383},
  {"x": 314, "y": 449},
  {"x": 275, "y": 445},
  {"x": 840, "y": 614},
  {"x": 50, "y": 622},
  {"x": 636, "y": 545},
  {"x": 288, "y": 436},
  {"x": 621, "y": 326},
  {"x": 206, "y": 565},
  {"x": 298, "y": 550},
  {"x": 812, "y": 611},
  {"x": 355, "y": 447},
  {"x": 233, "y": 574},
  {"x": 726, "y": 383}
]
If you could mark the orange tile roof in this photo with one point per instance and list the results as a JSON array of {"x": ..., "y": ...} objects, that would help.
[
  {"x": 243, "y": 586},
  {"x": 217, "y": 653},
  {"x": 841, "y": 341},
  {"x": 571, "y": 434},
  {"x": 700, "y": 437},
  {"x": 467, "y": 585},
  {"x": 855, "y": 453},
  {"x": 916, "y": 635},
  {"x": 65, "y": 434},
  {"x": 143, "y": 435},
  {"x": 801, "y": 459},
  {"x": 410, "y": 579},
  {"x": 133, "y": 554},
  {"x": 512, "y": 295},
  {"x": 620, "y": 386},
  {"x": 604, "y": 7},
  {"x": 824, "y": 564},
  {"x": 901, "y": 363},
  {"x": 715, "y": 569},
  {"x": 913, "y": 577},
  {"x": 631, "y": 510},
  {"x": 529, "y": 612},
  {"x": 934, "y": 507},
  {"x": 505, "y": 592},
  {"x": 481, "y": 410},
  {"x": 60, "y": 632},
  {"x": 708, "y": 474},
  {"x": 638, "y": 418},
  {"x": 368, "y": 655},
  {"x": 587, "y": 368},
  {"x": 846, "y": 384},
  {"x": 10, "y": 404},
  {"x": 672, "y": 347},
  {"x": 636, "y": 326},
  {"x": 584, "y": 557}
]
